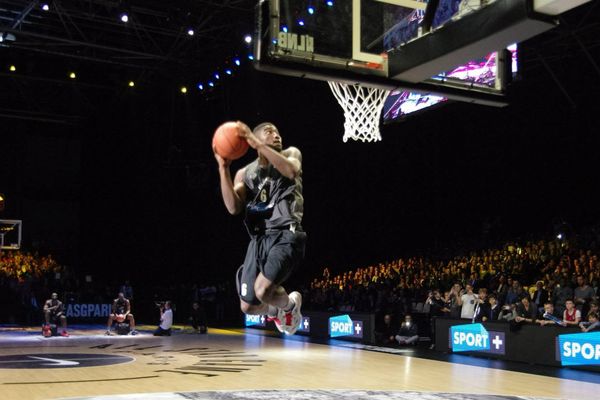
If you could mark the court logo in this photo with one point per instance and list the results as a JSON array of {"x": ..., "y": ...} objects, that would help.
[
  {"x": 256, "y": 320},
  {"x": 470, "y": 337},
  {"x": 579, "y": 348},
  {"x": 343, "y": 325},
  {"x": 58, "y": 360}
]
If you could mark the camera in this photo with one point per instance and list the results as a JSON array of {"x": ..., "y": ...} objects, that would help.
[{"x": 159, "y": 304}]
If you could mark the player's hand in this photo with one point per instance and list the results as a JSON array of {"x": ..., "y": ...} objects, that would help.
[
  {"x": 250, "y": 137},
  {"x": 223, "y": 162}
]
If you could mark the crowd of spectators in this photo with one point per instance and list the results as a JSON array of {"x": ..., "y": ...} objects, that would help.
[{"x": 530, "y": 282}]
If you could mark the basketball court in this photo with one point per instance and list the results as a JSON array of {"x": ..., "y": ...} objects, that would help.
[{"x": 253, "y": 364}]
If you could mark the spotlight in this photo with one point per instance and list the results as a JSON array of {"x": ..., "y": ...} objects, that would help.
[
  {"x": 124, "y": 17},
  {"x": 311, "y": 10},
  {"x": 228, "y": 72},
  {"x": 183, "y": 90},
  {"x": 211, "y": 84},
  {"x": 248, "y": 39},
  {"x": 237, "y": 62},
  {"x": 217, "y": 76},
  {"x": 284, "y": 28},
  {"x": 190, "y": 32},
  {"x": 559, "y": 236},
  {"x": 12, "y": 68},
  {"x": 45, "y": 6},
  {"x": 329, "y": 3},
  {"x": 250, "y": 57},
  {"x": 131, "y": 83},
  {"x": 72, "y": 75},
  {"x": 2, "y": 37},
  {"x": 200, "y": 86},
  {"x": 301, "y": 22}
]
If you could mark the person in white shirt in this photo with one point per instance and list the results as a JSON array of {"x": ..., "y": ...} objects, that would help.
[
  {"x": 166, "y": 320},
  {"x": 467, "y": 301}
]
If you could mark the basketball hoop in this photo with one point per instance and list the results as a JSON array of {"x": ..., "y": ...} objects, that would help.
[{"x": 362, "y": 107}]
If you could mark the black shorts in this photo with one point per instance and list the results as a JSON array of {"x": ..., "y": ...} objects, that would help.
[{"x": 275, "y": 254}]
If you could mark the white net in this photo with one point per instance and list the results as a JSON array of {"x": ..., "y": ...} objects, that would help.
[{"x": 362, "y": 110}]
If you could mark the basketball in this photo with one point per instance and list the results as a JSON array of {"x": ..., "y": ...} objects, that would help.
[
  {"x": 120, "y": 318},
  {"x": 228, "y": 142}
]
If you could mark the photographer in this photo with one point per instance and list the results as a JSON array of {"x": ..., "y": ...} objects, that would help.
[{"x": 166, "y": 320}]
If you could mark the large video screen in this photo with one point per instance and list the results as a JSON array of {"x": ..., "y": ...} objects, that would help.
[
  {"x": 401, "y": 25},
  {"x": 483, "y": 71}
]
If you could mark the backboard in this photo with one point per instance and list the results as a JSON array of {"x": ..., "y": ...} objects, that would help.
[
  {"x": 450, "y": 48},
  {"x": 10, "y": 234}
]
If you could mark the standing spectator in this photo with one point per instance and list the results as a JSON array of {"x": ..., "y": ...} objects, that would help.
[
  {"x": 494, "y": 307},
  {"x": 408, "y": 333},
  {"x": 455, "y": 294},
  {"x": 514, "y": 292},
  {"x": 502, "y": 290},
  {"x": 198, "y": 318},
  {"x": 437, "y": 308},
  {"x": 467, "y": 302},
  {"x": 562, "y": 293},
  {"x": 594, "y": 308},
  {"x": 482, "y": 307},
  {"x": 583, "y": 294},
  {"x": 526, "y": 310},
  {"x": 571, "y": 316},
  {"x": 540, "y": 296}
]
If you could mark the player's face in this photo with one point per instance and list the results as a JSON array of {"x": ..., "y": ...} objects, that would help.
[
  {"x": 270, "y": 135},
  {"x": 54, "y": 296}
]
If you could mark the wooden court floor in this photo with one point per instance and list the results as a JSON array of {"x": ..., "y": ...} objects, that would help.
[{"x": 91, "y": 364}]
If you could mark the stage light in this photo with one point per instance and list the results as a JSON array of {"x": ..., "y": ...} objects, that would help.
[
  {"x": 2, "y": 37},
  {"x": 311, "y": 10},
  {"x": 72, "y": 75},
  {"x": 330, "y": 3},
  {"x": 301, "y": 22},
  {"x": 12, "y": 68},
  {"x": 211, "y": 84},
  {"x": 217, "y": 76},
  {"x": 284, "y": 28},
  {"x": 45, "y": 6},
  {"x": 248, "y": 39},
  {"x": 124, "y": 17},
  {"x": 559, "y": 236},
  {"x": 228, "y": 72},
  {"x": 250, "y": 57},
  {"x": 183, "y": 90},
  {"x": 131, "y": 83},
  {"x": 237, "y": 62},
  {"x": 190, "y": 32},
  {"x": 200, "y": 86}
]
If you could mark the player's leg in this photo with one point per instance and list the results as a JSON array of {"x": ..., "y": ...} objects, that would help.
[
  {"x": 284, "y": 252},
  {"x": 47, "y": 315},
  {"x": 111, "y": 318},
  {"x": 131, "y": 324},
  {"x": 63, "y": 324}
]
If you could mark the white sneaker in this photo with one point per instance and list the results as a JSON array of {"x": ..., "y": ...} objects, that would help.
[{"x": 290, "y": 321}]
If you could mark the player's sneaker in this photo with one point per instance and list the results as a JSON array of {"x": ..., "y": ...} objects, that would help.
[
  {"x": 276, "y": 321},
  {"x": 290, "y": 321},
  {"x": 64, "y": 334},
  {"x": 133, "y": 332},
  {"x": 107, "y": 333},
  {"x": 46, "y": 331}
]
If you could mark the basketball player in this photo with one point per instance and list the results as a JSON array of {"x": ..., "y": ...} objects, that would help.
[
  {"x": 121, "y": 311},
  {"x": 270, "y": 191},
  {"x": 54, "y": 311}
]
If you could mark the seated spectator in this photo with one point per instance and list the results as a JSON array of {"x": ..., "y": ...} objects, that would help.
[
  {"x": 571, "y": 316},
  {"x": 526, "y": 310},
  {"x": 467, "y": 303},
  {"x": 482, "y": 308},
  {"x": 592, "y": 323},
  {"x": 408, "y": 333},
  {"x": 166, "y": 320},
  {"x": 386, "y": 332},
  {"x": 550, "y": 316},
  {"x": 593, "y": 308}
]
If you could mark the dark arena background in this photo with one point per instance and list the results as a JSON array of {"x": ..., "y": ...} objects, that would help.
[{"x": 106, "y": 164}]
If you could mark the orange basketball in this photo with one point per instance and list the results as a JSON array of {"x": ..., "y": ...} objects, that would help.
[
  {"x": 120, "y": 318},
  {"x": 228, "y": 142}
]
